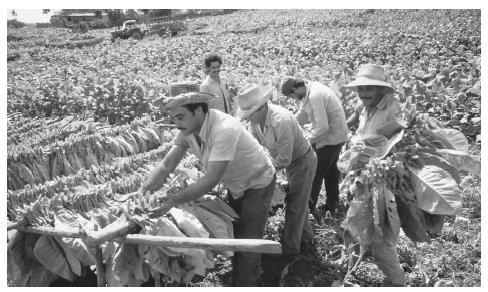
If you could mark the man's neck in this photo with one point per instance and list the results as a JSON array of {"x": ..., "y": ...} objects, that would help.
[
  {"x": 215, "y": 78},
  {"x": 262, "y": 120},
  {"x": 199, "y": 128},
  {"x": 374, "y": 105}
]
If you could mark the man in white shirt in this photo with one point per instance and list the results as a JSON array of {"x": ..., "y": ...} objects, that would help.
[
  {"x": 321, "y": 106},
  {"x": 216, "y": 85},
  {"x": 228, "y": 153},
  {"x": 277, "y": 129}
]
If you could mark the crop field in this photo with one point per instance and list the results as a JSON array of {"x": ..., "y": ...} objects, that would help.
[{"x": 83, "y": 131}]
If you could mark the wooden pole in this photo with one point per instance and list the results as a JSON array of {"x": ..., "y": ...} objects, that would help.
[
  {"x": 110, "y": 231},
  {"x": 217, "y": 244},
  {"x": 114, "y": 233},
  {"x": 16, "y": 225}
]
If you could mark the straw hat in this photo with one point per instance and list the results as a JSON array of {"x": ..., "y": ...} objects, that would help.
[
  {"x": 370, "y": 74},
  {"x": 250, "y": 98},
  {"x": 187, "y": 98}
]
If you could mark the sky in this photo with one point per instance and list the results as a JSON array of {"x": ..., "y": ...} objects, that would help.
[
  {"x": 29, "y": 15},
  {"x": 35, "y": 15}
]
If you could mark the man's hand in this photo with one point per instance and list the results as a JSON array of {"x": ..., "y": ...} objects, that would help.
[
  {"x": 131, "y": 196},
  {"x": 166, "y": 203}
]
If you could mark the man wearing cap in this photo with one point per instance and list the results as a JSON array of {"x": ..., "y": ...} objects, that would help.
[
  {"x": 228, "y": 153},
  {"x": 277, "y": 129},
  {"x": 183, "y": 87},
  {"x": 322, "y": 107},
  {"x": 381, "y": 115},
  {"x": 214, "y": 84}
]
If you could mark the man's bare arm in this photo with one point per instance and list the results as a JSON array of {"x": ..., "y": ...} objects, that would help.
[
  {"x": 202, "y": 186},
  {"x": 215, "y": 171},
  {"x": 158, "y": 176}
]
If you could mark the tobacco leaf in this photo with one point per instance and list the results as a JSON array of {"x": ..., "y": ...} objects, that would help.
[
  {"x": 437, "y": 191},
  {"x": 430, "y": 159},
  {"x": 51, "y": 256},
  {"x": 359, "y": 216},
  {"x": 461, "y": 160}
]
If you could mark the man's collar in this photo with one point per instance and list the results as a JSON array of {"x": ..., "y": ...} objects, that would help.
[
  {"x": 267, "y": 122},
  {"x": 204, "y": 129},
  {"x": 383, "y": 102},
  {"x": 210, "y": 79},
  {"x": 267, "y": 119},
  {"x": 307, "y": 92}
]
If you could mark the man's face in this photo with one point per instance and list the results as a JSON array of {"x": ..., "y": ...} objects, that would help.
[
  {"x": 257, "y": 116},
  {"x": 214, "y": 69},
  {"x": 298, "y": 93},
  {"x": 370, "y": 95},
  {"x": 186, "y": 121}
]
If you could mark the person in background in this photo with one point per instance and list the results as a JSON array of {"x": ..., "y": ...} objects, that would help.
[
  {"x": 228, "y": 153},
  {"x": 321, "y": 106},
  {"x": 277, "y": 129},
  {"x": 216, "y": 85}
]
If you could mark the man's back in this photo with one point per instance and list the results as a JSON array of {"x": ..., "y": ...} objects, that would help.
[
  {"x": 323, "y": 108},
  {"x": 282, "y": 126}
]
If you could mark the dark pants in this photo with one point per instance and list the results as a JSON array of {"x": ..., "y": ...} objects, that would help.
[
  {"x": 253, "y": 209},
  {"x": 297, "y": 224},
  {"x": 327, "y": 172}
]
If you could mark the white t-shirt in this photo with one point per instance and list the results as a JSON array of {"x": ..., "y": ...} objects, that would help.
[{"x": 225, "y": 139}]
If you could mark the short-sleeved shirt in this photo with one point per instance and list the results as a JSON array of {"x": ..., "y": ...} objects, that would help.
[
  {"x": 322, "y": 107},
  {"x": 386, "y": 111},
  {"x": 223, "y": 102},
  {"x": 281, "y": 135},
  {"x": 225, "y": 139}
]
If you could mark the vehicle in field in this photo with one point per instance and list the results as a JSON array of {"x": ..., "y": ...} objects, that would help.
[
  {"x": 130, "y": 29},
  {"x": 139, "y": 29}
]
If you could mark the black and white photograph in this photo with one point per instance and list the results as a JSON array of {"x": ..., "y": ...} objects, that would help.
[{"x": 281, "y": 146}]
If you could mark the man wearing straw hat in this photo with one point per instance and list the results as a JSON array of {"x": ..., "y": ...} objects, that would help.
[
  {"x": 277, "y": 129},
  {"x": 381, "y": 113},
  {"x": 228, "y": 153},
  {"x": 322, "y": 107},
  {"x": 214, "y": 84}
]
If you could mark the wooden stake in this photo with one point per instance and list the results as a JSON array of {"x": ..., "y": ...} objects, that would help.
[
  {"x": 157, "y": 279},
  {"x": 101, "y": 280}
]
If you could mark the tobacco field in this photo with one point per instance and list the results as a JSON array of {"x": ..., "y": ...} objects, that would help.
[{"x": 83, "y": 131}]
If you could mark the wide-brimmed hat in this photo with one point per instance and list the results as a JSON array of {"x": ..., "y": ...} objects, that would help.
[
  {"x": 250, "y": 98},
  {"x": 187, "y": 98},
  {"x": 370, "y": 74},
  {"x": 183, "y": 87}
]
